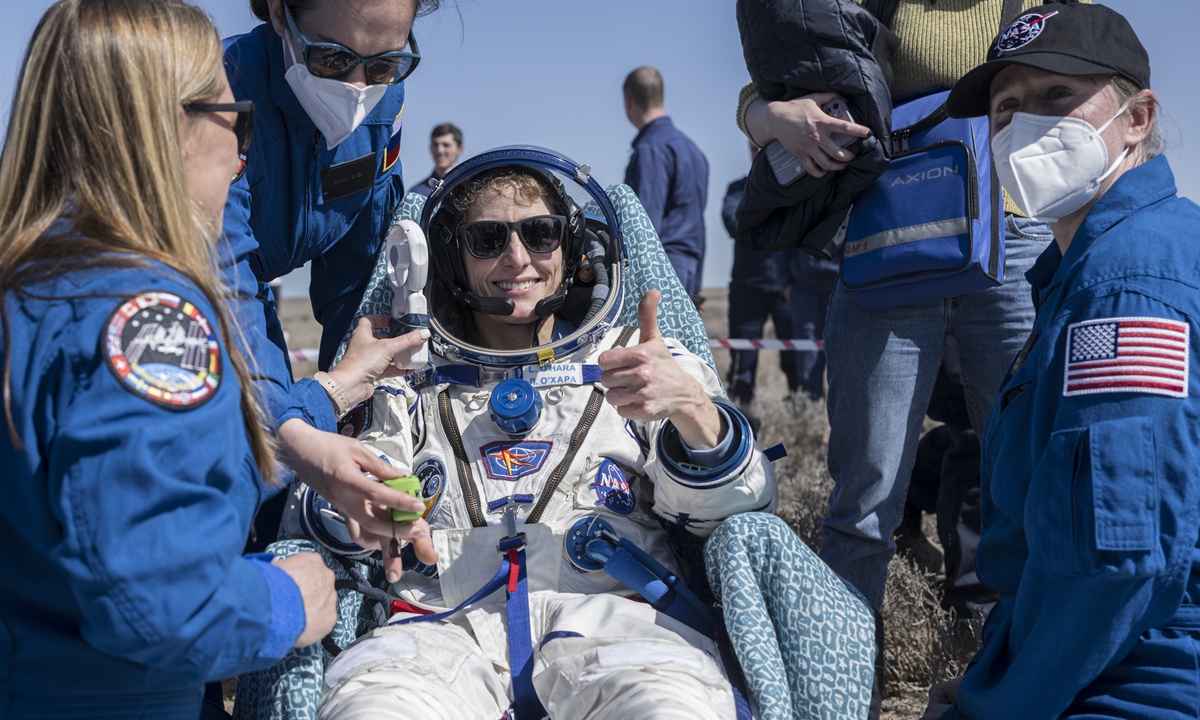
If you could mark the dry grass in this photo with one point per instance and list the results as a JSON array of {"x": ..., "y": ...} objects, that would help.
[{"x": 924, "y": 643}]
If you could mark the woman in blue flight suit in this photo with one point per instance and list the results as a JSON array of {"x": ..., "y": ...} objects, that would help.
[
  {"x": 322, "y": 178},
  {"x": 1091, "y": 478},
  {"x": 133, "y": 460}
]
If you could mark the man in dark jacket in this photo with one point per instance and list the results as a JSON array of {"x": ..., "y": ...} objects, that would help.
[
  {"x": 757, "y": 290},
  {"x": 670, "y": 176}
]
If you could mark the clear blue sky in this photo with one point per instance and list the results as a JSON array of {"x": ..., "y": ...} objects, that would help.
[{"x": 549, "y": 72}]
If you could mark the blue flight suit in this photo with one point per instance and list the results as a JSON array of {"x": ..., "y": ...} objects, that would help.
[
  {"x": 281, "y": 215},
  {"x": 124, "y": 518},
  {"x": 1091, "y": 476},
  {"x": 670, "y": 176},
  {"x": 756, "y": 292}
]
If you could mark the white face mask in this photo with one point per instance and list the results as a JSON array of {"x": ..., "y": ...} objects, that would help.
[
  {"x": 1051, "y": 165},
  {"x": 335, "y": 107}
]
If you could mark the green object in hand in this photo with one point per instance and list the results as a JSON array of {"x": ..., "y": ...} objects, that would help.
[{"x": 410, "y": 484}]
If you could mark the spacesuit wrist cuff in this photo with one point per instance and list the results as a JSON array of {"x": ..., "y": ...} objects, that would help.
[
  {"x": 287, "y": 608},
  {"x": 715, "y": 455},
  {"x": 671, "y": 451}
]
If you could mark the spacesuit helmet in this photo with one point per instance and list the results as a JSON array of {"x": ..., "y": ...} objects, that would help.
[{"x": 586, "y": 295}]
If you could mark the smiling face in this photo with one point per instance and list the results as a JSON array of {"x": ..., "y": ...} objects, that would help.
[
  {"x": 518, "y": 275},
  {"x": 445, "y": 151}
]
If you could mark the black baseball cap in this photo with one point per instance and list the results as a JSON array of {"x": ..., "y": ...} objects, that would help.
[{"x": 1062, "y": 38}]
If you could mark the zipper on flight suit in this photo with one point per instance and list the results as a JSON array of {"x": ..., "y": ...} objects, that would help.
[{"x": 470, "y": 492}]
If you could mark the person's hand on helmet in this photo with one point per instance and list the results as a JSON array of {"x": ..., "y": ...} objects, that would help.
[
  {"x": 335, "y": 466},
  {"x": 370, "y": 357},
  {"x": 645, "y": 383}
]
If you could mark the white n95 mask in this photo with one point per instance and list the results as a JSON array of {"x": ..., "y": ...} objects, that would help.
[
  {"x": 1051, "y": 165},
  {"x": 337, "y": 108}
]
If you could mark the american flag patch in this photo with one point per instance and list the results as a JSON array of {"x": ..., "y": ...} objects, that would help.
[{"x": 1129, "y": 354}]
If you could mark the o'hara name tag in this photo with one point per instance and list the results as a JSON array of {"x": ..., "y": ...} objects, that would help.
[
  {"x": 557, "y": 374},
  {"x": 347, "y": 178}
]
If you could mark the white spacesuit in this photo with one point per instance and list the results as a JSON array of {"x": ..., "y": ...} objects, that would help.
[{"x": 505, "y": 448}]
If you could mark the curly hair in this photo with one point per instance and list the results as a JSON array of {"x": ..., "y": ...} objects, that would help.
[{"x": 527, "y": 187}]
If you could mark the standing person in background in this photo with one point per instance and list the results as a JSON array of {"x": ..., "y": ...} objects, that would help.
[
  {"x": 134, "y": 451},
  {"x": 670, "y": 176},
  {"x": 322, "y": 178},
  {"x": 757, "y": 290},
  {"x": 813, "y": 282},
  {"x": 446, "y": 147}
]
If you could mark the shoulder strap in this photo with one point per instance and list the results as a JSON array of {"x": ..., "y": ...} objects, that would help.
[
  {"x": 884, "y": 10},
  {"x": 1011, "y": 11}
]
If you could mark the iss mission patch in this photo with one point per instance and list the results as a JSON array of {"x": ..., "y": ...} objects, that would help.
[{"x": 162, "y": 348}]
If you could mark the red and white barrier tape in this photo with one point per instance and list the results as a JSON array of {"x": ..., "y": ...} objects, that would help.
[{"x": 310, "y": 354}]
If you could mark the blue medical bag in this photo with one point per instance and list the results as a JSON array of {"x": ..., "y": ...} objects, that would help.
[{"x": 930, "y": 226}]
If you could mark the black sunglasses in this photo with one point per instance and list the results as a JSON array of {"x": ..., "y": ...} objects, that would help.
[
  {"x": 486, "y": 239},
  {"x": 243, "y": 126},
  {"x": 334, "y": 62}
]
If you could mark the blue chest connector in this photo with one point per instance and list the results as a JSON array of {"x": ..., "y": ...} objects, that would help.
[{"x": 516, "y": 406}]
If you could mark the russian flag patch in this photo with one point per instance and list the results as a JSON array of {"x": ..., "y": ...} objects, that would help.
[{"x": 392, "y": 154}]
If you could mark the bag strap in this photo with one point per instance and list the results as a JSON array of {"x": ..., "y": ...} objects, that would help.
[
  {"x": 1011, "y": 11},
  {"x": 884, "y": 10}
]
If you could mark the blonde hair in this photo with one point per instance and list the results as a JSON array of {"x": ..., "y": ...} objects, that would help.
[
  {"x": 1128, "y": 92},
  {"x": 96, "y": 137}
]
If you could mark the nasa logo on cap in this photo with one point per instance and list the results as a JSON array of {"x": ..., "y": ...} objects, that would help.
[
  {"x": 613, "y": 490},
  {"x": 1022, "y": 31},
  {"x": 163, "y": 349}
]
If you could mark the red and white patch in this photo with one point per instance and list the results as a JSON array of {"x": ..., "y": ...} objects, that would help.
[{"x": 1127, "y": 354}]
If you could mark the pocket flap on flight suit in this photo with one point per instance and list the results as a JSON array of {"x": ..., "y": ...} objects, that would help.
[{"x": 1124, "y": 484}]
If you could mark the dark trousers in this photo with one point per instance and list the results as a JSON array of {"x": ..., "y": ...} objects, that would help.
[
  {"x": 748, "y": 312},
  {"x": 808, "y": 323}
]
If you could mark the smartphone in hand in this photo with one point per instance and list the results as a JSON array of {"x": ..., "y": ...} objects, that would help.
[{"x": 786, "y": 166}]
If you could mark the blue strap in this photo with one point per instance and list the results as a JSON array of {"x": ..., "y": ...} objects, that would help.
[
  {"x": 663, "y": 590},
  {"x": 775, "y": 452},
  {"x": 520, "y": 643},
  {"x": 498, "y": 580}
]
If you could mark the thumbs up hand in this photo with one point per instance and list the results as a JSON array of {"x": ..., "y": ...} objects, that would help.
[{"x": 645, "y": 383}]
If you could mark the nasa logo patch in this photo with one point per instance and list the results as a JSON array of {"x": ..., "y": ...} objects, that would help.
[
  {"x": 1022, "y": 31},
  {"x": 512, "y": 460},
  {"x": 613, "y": 490},
  {"x": 432, "y": 473},
  {"x": 357, "y": 420},
  {"x": 162, "y": 348}
]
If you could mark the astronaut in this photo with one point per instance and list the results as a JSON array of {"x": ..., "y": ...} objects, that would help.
[{"x": 543, "y": 431}]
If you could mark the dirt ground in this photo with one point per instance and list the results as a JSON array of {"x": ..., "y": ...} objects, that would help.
[{"x": 925, "y": 644}]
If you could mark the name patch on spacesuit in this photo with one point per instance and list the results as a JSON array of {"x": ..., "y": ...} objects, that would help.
[
  {"x": 512, "y": 460},
  {"x": 557, "y": 374},
  {"x": 162, "y": 348},
  {"x": 432, "y": 473},
  {"x": 613, "y": 490},
  {"x": 357, "y": 420}
]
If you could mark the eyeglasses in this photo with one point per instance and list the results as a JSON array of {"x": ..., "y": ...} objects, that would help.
[
  {"x": 334, "y": 62},
  {"x": 243, "y": 126},
  {"x": 486, "y": 239}
]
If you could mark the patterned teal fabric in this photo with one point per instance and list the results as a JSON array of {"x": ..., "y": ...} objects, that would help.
[
  {"x": 291, "y": 689},
  {"x": 648, "y": 269},
  {"x": 804, "y": 639}
]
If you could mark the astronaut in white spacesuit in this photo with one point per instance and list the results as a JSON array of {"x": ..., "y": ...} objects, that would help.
[{"x": 542, "y": 436}]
